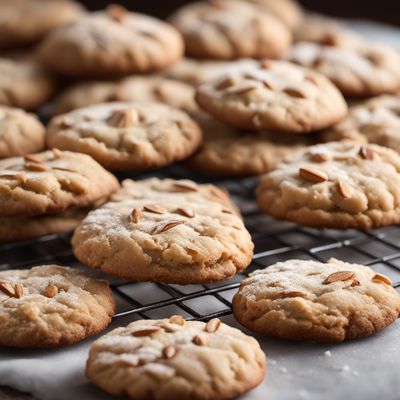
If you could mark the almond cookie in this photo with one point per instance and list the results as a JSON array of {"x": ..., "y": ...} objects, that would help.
[
  {"x": 181, "y": 236},
  {"x": 176, "y": 359},
  {"x": 111, "y": 43},
  {"x": 228, "y": 30},
  {"x": 24, "y": 83},
  {"x": 13, "y": 229},
  {"x": 24, "y": 22},
  {"x": 227, "y": 151},
  {"x": 362, "y": 70},
  {"x": 323, "y": 302},
  {"x": 20, "y": 133},
  {"x": 376, "y": 121},
  {"x": 274, "y": 96},
  {"x": 135, "y": 88},
  {"x": 337, "y": 185},
  {"x": 127, "y": 136},
  {"x": 51, "y": 306},
  {"x": 51, "y": 181},
  {"x": 194, "y": 72},
  {"x": 287, "y": 11}
]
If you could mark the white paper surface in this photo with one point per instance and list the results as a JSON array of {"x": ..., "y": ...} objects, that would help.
[{"x": 367, "y": 369}]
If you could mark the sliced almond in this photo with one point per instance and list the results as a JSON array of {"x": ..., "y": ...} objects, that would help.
[
  {"x": 267, "y": 85},
  {"x": 36, "y": 167},
  {"x": 313, "y": 79},
  {"x": 344, "y": 189},
  {"x": 154, "y": 208},
  {"x": 123, "y": 118},
  {"x": 135, "y": 215},
  {"x": 7, "y": 288},
  {"x": 199, "y": 340},
  {"x": 225, "y": 83},
  {"x": 242, "y": 89},
  {"x": 378, "y": 278},
  {"x": 320, "y": 157},
  {"x": 331, "y": 39},
  {"x": 51, "y": 291},
  {"x": 312, "y": 175},
  {"x": 168, "y": 327},
  {"x": 213, "y": 325},
  {"x": 292, "y": 293},
  {"x": 292, "y": 92},
  {"x": 226, "y": 211},
  {"x": 186, "y": 186},
  {"x": 19, "y": 290},
  {"x": 146, "y": 331},
  {"x": 186, "y": 212},
  {"x": 33, "y": 158},
  {"x": 169, "y": 351},
  {"x": 116, "y": 12},
  {"x": 177, "y": 319},
  {"x": 340, "y": 276},
  {"x": 169, "y": 226},
  {"x": 366, "y": 153},
  {"x": 57, "y": 153}
]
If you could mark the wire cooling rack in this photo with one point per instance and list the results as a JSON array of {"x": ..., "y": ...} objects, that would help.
[{"x": 274, "y": 241}]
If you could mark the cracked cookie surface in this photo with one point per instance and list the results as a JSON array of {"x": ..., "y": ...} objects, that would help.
[
  {"x": 309, "y": 300},
  {"x": 338, "y": 185},
  {"x": 215, "y": 30},
  {"x": 165, "y": 231},
  {"x": 127, "y": 135},
  {"x": 51, "y": 181},
  {"x": 149, "y": 359},
  {"x": 20, "y": 133},
  {"x": 112, "y": 43},
  {"x": 275, "y": 96},
  {"x": 51, "y": 306}
]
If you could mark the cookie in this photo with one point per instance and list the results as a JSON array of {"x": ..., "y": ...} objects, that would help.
[
  {"x": 274, "y": 96},
  {"x": 194, "y": 72},
  {"x": 14, "y": 229},
  {"x": 228, "y": 30},
  {"x": 362, "y": 70},
  {"x": 181, "y": 236},
  {"x": 52, "y": 306},
  {"x": 111, "y": 43},
  {"x": 287, "y": 11},
  {"x": 376, "y": 121},
  {"x": 51, "y": 181},
  {"x": 323, "y": 302},
  {"x": 151, "y": 88},
  {"x": 20, "y": 133},
  {"x": 176, "y": 359},
  {"x": 127, "y": 136},
  {"x": 24, "y": 83},
  {"x": 25, "y": 22},
  {"x": 231, "y": 152},
  {"x": 337, "y": 185},
  {"x": 327, "y": 31}
]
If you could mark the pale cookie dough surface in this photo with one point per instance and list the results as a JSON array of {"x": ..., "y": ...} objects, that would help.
[
  {"x": 228, "y": 151},
  {"x": 337, "y": 185},
  {"x": 274, "y": 96},
  {"x": 112, "y": 43},
  {"x": 51, "y": 181},
  {"x": 24, "y": 83},
  {"x": 20, "y": 133},
  {"x": 136, "y": 88},
  {"x": 127, "y": 135},
  {"x": 287, "y": 11},
  {"x": 182, "y": 236},
  {"x": 176, "y": 359},
  {"x": 228, "y": 30},
  {"x": 376, "y": 121},
  {"x": 51, "y": 306},
  {"x": 309, "y": 300},
  {"x": 26, "y": 228},
  {"x": 362, "y": 70},
  {"x": 24, "y": 22},
  {"x": 194, "y": 72}
]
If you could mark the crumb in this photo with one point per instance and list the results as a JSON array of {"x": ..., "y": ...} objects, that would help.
[{"x": 328, "y": 353}]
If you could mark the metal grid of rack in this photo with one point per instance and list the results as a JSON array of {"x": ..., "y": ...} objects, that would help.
[{"x": 274, "y": 241}]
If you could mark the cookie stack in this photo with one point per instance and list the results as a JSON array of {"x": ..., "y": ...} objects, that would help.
[{"x": 49, "y": 192}]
